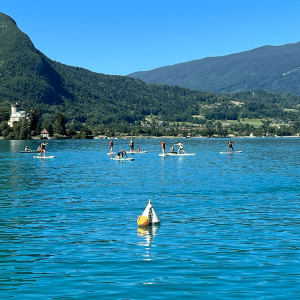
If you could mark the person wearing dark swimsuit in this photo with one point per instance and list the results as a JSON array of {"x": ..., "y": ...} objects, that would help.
[
  {"x": 163, "y": 146},
  {"x": 42, "y": 148},
  {"x": 121, "y": 154},
  {"x": 230, "y": 146},
  {"x": 111, "y": 145},
  {"x": 131, "y": 144}
]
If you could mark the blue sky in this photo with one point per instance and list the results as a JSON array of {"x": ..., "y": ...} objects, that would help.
[{"x": 123, "y": 36}]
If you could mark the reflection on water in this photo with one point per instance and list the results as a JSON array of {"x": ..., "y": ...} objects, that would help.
[{"x": 148, "y": 233}]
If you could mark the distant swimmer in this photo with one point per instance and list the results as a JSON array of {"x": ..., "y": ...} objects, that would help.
[
  {"x": 42, "y": 148},
  {"x": 180, "y": 147},
  {"x": 131, "y": 144},
  {"x": 230, "y": 146},
  {"x": 121, "y": 154},
  {"x": 111, "y": 145},
  {"x": 27, "y": 149},
  {"x": 163, "y": 146},
  {"x": 138, "y": 150}
]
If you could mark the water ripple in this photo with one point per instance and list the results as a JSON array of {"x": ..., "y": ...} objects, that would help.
[{"x": 230, "y": 223}]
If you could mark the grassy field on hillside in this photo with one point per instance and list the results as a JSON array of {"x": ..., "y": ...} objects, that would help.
[{"x": 254, "y": 122}]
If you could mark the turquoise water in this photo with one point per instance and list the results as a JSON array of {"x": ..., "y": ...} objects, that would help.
[{"x": 229, "y": 223}]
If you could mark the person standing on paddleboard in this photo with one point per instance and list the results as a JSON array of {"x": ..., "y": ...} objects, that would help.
[
  {"x": 180, "y": 148},
  {"x": 42, "y": 148},
  {"x": 131, "y": 144},
  {"x": 111, "y": 145},
  {"x": 230, "y": 146},
  {"x": 163, "y": 146}
]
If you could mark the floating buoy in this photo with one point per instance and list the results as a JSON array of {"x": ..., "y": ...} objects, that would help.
[
  {"x": 142, "y": 221},
  {"x": 149, "y": 216}
]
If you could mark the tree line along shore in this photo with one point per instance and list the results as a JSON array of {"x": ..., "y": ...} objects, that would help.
[{"x": 30, "y": 126}]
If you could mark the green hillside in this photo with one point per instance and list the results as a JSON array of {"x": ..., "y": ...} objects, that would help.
[
  {"x": 30, "y": 78},
  {"x": 269, "y": 68}
]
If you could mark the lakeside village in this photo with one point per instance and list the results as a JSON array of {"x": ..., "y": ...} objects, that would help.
[{"x": 24, "y": 125}]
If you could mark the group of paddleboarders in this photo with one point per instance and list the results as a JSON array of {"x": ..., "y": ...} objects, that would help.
[
  {"x": 180, "y": 147},
  {"x": 179, "y": 144},
  {"x": 121, "y": 153}
]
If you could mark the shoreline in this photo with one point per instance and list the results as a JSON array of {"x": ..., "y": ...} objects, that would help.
[{"x": 166, "y": 137}]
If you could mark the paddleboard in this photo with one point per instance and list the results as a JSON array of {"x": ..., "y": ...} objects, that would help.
[
  {"x": 230, "y": 152},
  {"x": 122, "y": 159},
  {"x": 133, "y": 152},
  {"x": 163, "y": 154},
  {"x": 44, "y": 156},
  {"x": 32, "y": 151},
  {"x": 111, "y": 153},
  {"x": 180, "y": 154}
]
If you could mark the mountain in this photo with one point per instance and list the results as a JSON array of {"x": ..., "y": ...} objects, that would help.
[
  {"x": 30, "y": 78},
  {"x": 269, "y": 68}
]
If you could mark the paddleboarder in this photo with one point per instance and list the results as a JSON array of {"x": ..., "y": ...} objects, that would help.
[
  {"x": 111, "y": 145},
  {"x": 121, "y": 153},
  {"x": 131, "y": 144},
  {"x": 163, "y": 146},
  {"x": 172, "y": 150},
  {"x": 42, "y": 148},
  {"x": 230, "y": 146},
  {"x": 27, "y": 149},
  {"x": 180, "y": 148}
]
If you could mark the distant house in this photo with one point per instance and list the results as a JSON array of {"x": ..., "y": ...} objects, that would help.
[
  {"x": 225, "y": 124},
  {"x": 102, "y": 137},
  {"x": 45, "y": 134},
  {"x": 252, "y": 135},
  {"x": 16, "y": 115}
]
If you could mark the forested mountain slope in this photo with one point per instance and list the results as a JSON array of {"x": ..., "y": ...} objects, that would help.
[
  {"x": 30, "y": 78},
  {"x": 269, "y": 68}
]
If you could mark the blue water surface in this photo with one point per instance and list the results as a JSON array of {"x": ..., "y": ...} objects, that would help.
[{"x": 229, "y": 223}]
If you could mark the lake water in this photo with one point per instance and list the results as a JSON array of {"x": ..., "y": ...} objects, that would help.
[{"x": 230, "y": 224}]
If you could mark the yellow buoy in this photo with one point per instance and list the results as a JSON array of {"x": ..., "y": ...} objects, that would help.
[{"x": 142, "y": 221}]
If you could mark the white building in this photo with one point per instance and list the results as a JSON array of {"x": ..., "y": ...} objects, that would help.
[
  {"x": 45, "y": 134},
  {"x": 16, "y": 115}
]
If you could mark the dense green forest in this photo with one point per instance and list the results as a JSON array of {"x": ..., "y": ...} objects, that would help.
[{"x": 92, "y": 102}]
